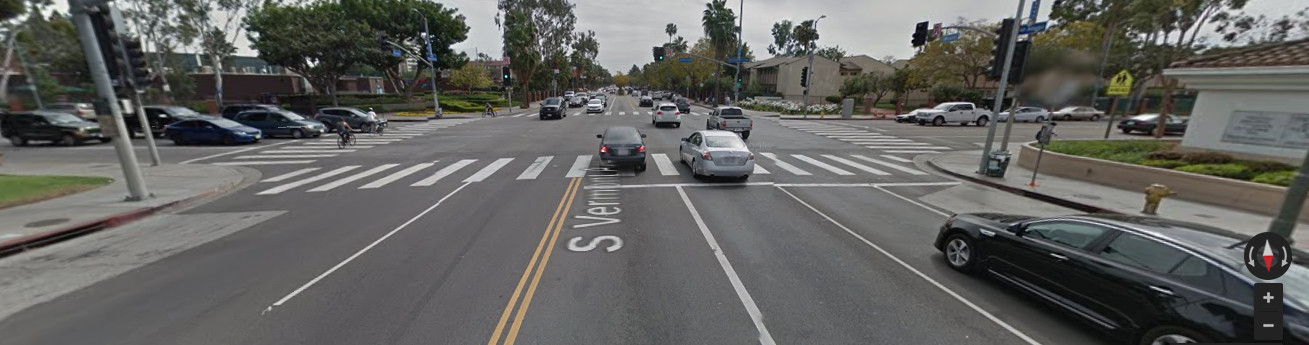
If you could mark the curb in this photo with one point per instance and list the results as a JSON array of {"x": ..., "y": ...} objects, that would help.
[
  {"x": 34, "y": 241},
  {"x": 1024, "y": 192},
  {"x": 838, "y": 118},
  {"x": 407, "y": 119}
]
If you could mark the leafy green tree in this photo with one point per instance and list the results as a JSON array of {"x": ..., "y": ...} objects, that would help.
[
  {"x": 216, "y": 41},
  {"x": 1244, "y": 29},
  {"x": 804, "y": 35},
  {"x": 833, "y": 52},
  {"x": 50, "y": 46},
  {"x": 401, "y": 21},
  {"x": 784, "y": 43},
  {"x": 534, "y": 29},
  {"x": 470, "y": 76},
  {"x": 319, "y": 41},
  {"x": 719, "y": 24},
  {"x": 10, "y": 9},
  {"x": 963, "y": 62}
]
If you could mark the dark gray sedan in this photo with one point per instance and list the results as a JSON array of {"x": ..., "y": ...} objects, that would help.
[{"x": 624, "y": 146}]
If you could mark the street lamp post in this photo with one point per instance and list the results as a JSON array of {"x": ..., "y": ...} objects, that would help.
[
  {"x": 740, "y": 45},
  {"x": 808, "y": 77},
  {"x": 427, "y": 39}
]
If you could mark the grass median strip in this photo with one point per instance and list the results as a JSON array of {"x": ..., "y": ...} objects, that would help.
[{"x": 18, "y": 190}]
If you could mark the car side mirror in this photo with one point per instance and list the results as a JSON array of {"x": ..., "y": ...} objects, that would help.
[
  {"x": 685, "y": 139},
  {"x": 1018, "y": 229},
  {"x": 599, "y": 136},
  {"x": 643, "y": 135}
]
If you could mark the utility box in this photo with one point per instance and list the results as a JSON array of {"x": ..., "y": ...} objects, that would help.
[
  {"x": 847, "y": 108},
  {"x": 997, "y": 163}
]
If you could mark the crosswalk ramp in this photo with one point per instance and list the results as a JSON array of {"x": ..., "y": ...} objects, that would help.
[
  {"x": 508, "y": 169},
  {"x": 868, "y": 139},
  {"x": 309, "y": 150}
]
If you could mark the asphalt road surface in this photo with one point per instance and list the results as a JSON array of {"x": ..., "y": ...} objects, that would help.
[{"x": 506, "y": 230}]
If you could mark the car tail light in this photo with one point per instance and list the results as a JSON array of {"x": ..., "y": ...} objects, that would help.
[
  {"x": 751, "y": 123},
  {"x": 751, "y": 157},
  {"x": 706, "y": 156},
  {"x": 640, "y": 149},
  {"x": 659, "y": 113},
  {"x": 604, "y": 149},
  {"x": 724, "y": 123}
]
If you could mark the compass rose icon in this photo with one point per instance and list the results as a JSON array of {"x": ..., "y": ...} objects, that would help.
[{"x": 1267, "y": 256}]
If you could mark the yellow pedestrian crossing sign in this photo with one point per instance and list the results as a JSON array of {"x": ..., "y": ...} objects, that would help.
[{"x": 1121, "y": 84}]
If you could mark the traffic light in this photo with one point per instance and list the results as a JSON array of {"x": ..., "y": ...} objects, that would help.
[
  {"x": 804, "y": 76},
  {"x": 1019, "y": 62},
  {"x": 505, "y": 76},
  {"x": 381, "y": 42},
  {"x": 1001, "y": 46},
  {"x": 920, "y": 35},
  {"x": 137, "y": 69},
  {"x": 738, "y": 79},
  {"x": 658, "y": 53},
  {"x": 107, "y": 37}
]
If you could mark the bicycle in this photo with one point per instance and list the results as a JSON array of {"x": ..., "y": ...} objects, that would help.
[
  {"x": 489, "y": 112},
  {"x": 345, "y": 139}
]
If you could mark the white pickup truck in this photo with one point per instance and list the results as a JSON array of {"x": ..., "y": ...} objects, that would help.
[
  {"x": 730, "y": 119},
  {"x": 962, "y": 113}
]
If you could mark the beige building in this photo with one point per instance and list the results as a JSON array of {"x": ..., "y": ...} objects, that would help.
[{"x": 781, "y": 75}]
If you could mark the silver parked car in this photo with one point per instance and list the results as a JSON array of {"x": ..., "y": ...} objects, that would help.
[
  {"x": 717, "y": 153},
  {"x": 1027, "y": 114},
  {"x": 1077, "y": 113}
]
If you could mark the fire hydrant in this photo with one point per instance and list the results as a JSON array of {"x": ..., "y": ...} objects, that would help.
[{"x": 1153, "y": 195}]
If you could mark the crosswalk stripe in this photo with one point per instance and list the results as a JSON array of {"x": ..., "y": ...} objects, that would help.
[
  {"x": 352, "y": 178},
  {"x": 536, "y": 168},
  {"x": 889, "y": 165},
  {"x": 784, "y": 165},
  {"x": 665, "y": 166},
  {"x": 608, "y": 113},
  {"x": 913, "y": 151},
  {"x": 297, "y": 183},
  {"x": 843, "y": 133},
  {"x": 907, "y": 143},
  {"x": 307, "y": 151},
  {"x": 266, "y": 162},
  {"x": 579, "y": 166},
  {"x": 856, "y": 165},
  {"x": 759, "y": 170},
  {"x": 358, "y": 139},
  {"x": 908, "y": 147},
  {"x": 446, "y": 171},
  {"x": 396, "y": 176},
  {"x": 622, "y": 113},
  {"x": 290, "y": 175},
  {"x": 894, "y": 158},
  {"x": 873, "y": 141},
  {"x": 282, "y": 156},
  {"x": 323, "y": 145},
  {"x": 820, "y": 164},
  {"x": 481, "y": 175}
]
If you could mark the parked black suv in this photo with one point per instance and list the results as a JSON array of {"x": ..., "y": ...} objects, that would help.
[
  {"x": 62, "y": 128},
  {"x": 552, "y": 107},
  {"x": 159, "y": 117},
  {"x": 230, "y": 110}
]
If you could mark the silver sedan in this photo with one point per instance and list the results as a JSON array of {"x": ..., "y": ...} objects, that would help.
[{"x": 717, "y": 153}]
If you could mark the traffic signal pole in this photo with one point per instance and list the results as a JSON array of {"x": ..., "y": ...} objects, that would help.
[
  {"x": 105, "y": 89},
  {"x": 999, "y": 92}
]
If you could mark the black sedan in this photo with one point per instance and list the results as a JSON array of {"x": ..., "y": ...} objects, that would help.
[
  {"x": 1147, "y": 122},
  {"x": 577, "y": 102},
  {"x": 623, "y": 146},
  {"x": 552, "y": 108},
  {"x": 1142, "y": 280}
]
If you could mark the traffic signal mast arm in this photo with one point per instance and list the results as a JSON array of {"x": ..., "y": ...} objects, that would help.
[
  {"x": 973, "y": 29},
  {"x": 410, "y": 53}
]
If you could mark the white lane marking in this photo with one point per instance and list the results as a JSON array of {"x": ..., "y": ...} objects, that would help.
[
  {"x": 665, "y": 165},
  {"x": 481, "y": 175},
  {"x": 858, "y": 126},
  {"x": 189, "y": 161},
  {"x": 860, "y": 136},
  {"x": 759, "y": 169},
  {"x": 898, "y": 144},
  {"x": 326, "y": 145},
  {"x": 913, "y": 151},
  {"x": 306, "y": 151},
  {"x": 536, "y": 168},
  {"x": 607, "y": 113},
  {"x": 579, "y": 166},
  {"x": 622, "y": 113},
  {"x": 289, "y": 175},
  {"x": 856, "y": 165},
  {"x": 347, "y": 260},
  {"x": 915, "y": 202},
  {"x": 281, "y": 156},
  {"x": 358, "y": 139},
  {"x": 921, "y": 148},
  {"x": 757, "y": 316},
  {"x": 889, "y": 165},
  {"x": 820, "y": 164},
  {"x": 685, "y": 185},
  {"x": 784, "y": 165},
  {"x": 446, "y": 171},
  {"x": 894, "y": 158},
  {"x": 920, "y": 274},
  {"x": 841, "y": 133},
  {"x": 265, "y": 162},
  {"x": 352, "y": 178},
  {"x": 297, "y": 183},
  {"x": 396, "y": 176},
  {"x": 873, "y": 141}
]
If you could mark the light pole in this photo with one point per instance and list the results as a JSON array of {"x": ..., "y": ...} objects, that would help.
[
  {"x": 739, "y": 46},
  {"x": 810, "y": 71},
  {"x": 427, "y": 39}
]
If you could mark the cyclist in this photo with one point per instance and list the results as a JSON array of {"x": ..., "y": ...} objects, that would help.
[
  {"x": 343, "y": 129},
  {"x": 489, "y": 110}
]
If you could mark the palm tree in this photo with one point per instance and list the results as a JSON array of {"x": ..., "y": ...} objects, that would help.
[
  {"x": 670, "y": 29},
  {"x": 720, "y": 27}
]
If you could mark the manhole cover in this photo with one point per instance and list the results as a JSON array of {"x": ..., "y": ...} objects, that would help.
[
  {"x": 1085, "y": 196},
  {"x": 47, "y": 222}
]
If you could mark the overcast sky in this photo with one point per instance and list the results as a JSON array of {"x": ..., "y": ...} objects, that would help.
[{"x": 627, "y": 29}]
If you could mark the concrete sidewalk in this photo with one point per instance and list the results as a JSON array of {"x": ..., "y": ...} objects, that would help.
[
  {"x": 837, "y": 117},
  {"x": 174, "y": 186},
  {"x": 1095, "y": 198}
]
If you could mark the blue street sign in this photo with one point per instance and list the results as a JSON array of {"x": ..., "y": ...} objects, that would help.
[
  {"x": 685, "y": 59},
  {"x": 950, "y": 37},
  {"x": 395, "y": 52},
  {"x": 738, "y": 60},
  {"x": 1033, "y": 28},
  {"x": 431, "y": 57},
  {"x": 1036, "y": 5}
]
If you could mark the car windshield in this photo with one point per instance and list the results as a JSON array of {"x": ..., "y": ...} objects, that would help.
[
  {"x": 292, "y": 116},
  {"x": 622, "y": 136},
  {"x": 225, "y": 123},
  {"x": 62, "y": 118},
  {"x": 595, "y": 102},
  {"x": 724, "y": 142},
  {"x": 1146, "y": 117},
  {"x": 182, "y": 111},
  {"x": 1069, "y": 109},
  {"x": 731, "y": 113},
  {"x": 668, "y": 108},
  {"x": 944, "y": 106},
  {"x": 552, "y": 101}
]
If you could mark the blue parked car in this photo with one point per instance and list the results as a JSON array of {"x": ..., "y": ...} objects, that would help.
[
  {"x": 281, "y": 122},
  {"x": 211, "y": 129}
]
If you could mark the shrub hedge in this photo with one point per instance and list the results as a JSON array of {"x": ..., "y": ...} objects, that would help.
[{"x": 1160, "y": 154}]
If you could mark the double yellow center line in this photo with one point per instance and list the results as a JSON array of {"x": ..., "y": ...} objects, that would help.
[{"x": 547, "y": 245}]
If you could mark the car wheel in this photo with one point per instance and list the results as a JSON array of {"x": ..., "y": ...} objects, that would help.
[
  {"x": 1127, "y": 131},
  {"x": 68, "y": 140},
  {"x": 938, "y": 121},
  {"x": 1040, "y": 119},
  {"x": 297, "y": 134},
  {"x": 695, "y": 172},
  {"x": 177, "y": 140},
  {"x": 981, "y": 122},
  {"x": 1172, "y": 335},
  {"x": 960, "y": 253},
  {"x": 745, "y": 177},
  {"x": 17, "y": 140},
  {"x": 640, "y": 167},
  {"x": 229, "y": 140},
  {"x": 105, "y": 140},
  {"x": 745, "y": 135},
  {"x": 1068, "y": 117},
  {"x": 1095, "y": 117}
]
